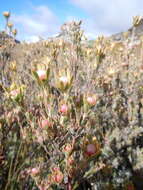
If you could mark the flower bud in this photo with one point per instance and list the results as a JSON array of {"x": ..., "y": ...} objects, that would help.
[
  {"x": 42, "y": 74},
  {"x": 14, "y": 93},
  {"x": 55, "y": 169},
  {"x": 111, "y": 72},
  {"x": 58, "y": 177},
  {"x": 91, "y": 100},
  {"x": 67, "y": 148},
  {"x": 34, "y": 171},
  {"x": 129, "y": 186},
  {"x": 45, "y": 123},
  {"x": 70, "y": 160},
  {"x": 64, "y": 109},
  {"x": 64, "y": 80},
  {"x": 90, "y": 149},
  {"x": 13, "y": 65}
]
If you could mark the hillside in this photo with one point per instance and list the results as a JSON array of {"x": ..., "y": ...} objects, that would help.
[
  {"x": 134, "y": 32},
  {"x": 71, "y": 114}
]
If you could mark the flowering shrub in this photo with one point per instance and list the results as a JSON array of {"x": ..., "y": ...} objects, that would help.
[{"x": 71, "y": 116}]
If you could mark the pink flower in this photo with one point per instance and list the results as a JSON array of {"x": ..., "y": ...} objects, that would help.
[
  {"x": 34, "y": 171},
  {"x": 91, "y": 100},
  {"x": 90, "y": 149},
  {"x": 42, "y": 74},
  {"x": 67, "y": 148},
  {"x": 58, "y": 177},
  {"x": 55, "y": 169},
  {"x": 45, "y": 123},
  {"x": 14, "y": 93},
  {"x": 64, "y": 109}
]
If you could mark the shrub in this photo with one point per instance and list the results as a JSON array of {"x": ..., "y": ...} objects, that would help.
[{"x": 72, "y": 115}]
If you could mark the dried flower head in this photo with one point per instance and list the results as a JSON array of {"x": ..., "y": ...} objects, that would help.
[
  {"x": 10, "y": 24},
  {"x": 14, "y": 32},
  {"x": 13, "y": 65},
  {"x": 6, "y": 14},
  {"x": 137, "y": 20}
]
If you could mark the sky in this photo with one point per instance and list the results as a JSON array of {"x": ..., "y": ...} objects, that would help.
[{"x": 43, "y": 18}]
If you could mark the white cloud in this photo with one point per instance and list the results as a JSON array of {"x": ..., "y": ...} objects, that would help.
[
  {"x": 32, "y": 38},
  {"x": 103, "y": 17},
  {"x": 92, "y": 30},
  {"x": 109, "y": 16},
  {"x": 41, "y": 22}
]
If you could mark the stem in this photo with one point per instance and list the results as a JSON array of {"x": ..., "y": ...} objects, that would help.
[
  {"x": 9, "y": 174},
  {"x": 16, "y": 162},
  {"x": 6, "y": 24},
  {"x": 68, "y": 186},
  {"x": 133, "y": 34}
]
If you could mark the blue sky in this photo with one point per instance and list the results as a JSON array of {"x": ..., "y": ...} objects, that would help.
[{"x": 35, "y": 18}]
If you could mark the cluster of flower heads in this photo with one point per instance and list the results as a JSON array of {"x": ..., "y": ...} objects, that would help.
[{"x": 9, "y": 25}]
